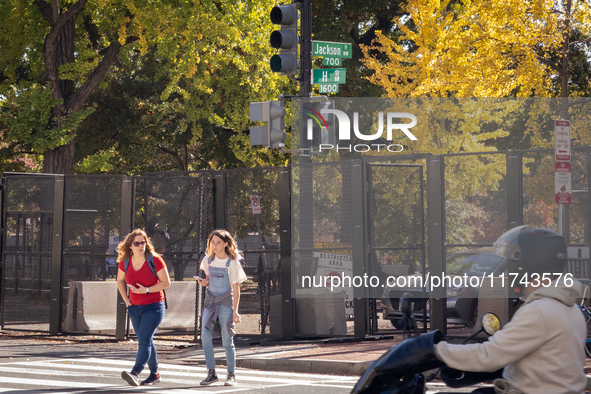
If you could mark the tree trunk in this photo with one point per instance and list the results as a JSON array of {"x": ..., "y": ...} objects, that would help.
[
  {"x": 59, "y": 160},
  {"x": 59, "y": 49},
  {"x": 565, "y": 65}
]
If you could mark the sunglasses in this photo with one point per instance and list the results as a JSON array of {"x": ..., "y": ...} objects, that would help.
[{"x": 137, "y": 244}]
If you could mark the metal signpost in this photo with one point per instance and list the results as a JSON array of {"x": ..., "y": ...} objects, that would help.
[{"x": 562, "y": 171}]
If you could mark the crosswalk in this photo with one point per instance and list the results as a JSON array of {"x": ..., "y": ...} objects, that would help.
[{"x": 104, "y": 375}]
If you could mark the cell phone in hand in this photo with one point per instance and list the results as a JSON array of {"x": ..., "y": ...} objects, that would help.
[{"x": 201, "y": 275}]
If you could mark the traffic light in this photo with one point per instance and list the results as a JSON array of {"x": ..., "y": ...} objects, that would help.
[
  {"x": 318, "y": 127},
  {"x": 273, "y": 134},
  {"x": 285, "y": 39}
]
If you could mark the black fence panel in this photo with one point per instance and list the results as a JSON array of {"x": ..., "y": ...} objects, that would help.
[
  {"x": 252, "y": 217},
  {"x": 176, "y": 211},
  {"x": 26, "y": 257},
  {"x": 92, "y": 218}
]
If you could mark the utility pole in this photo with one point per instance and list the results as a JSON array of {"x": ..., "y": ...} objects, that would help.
[{"x": 306, "y": 49}]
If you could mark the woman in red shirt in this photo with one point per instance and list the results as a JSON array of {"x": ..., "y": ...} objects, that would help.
[{"x": 145, "y": 304}]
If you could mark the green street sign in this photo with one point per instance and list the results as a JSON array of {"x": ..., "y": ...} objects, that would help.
[
  {"x": 331, "y": 49},
  {"x": 329, "y": 75},
  {"x": 328, "y": 88},
  {"x": 332, "y": 61}
]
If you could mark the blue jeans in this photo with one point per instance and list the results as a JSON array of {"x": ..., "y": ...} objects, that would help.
[
  {"x": 225, "y": 314},
  {"x": 145, "y": 320}
]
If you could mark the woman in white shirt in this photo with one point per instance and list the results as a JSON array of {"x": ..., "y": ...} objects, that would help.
[{"x": 222, "y": 297}]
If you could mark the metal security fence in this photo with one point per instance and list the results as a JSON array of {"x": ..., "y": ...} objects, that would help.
[
  {"x": 380, "y": 216},
  {"x": 60, "y": 238},
  {"x": 252, "y": 214},
  {"x": 91, "y": 217},
  {"x": 176, "y": 211},
  {"x": 408, "y": 213},
  {"x": 28, "y": 219}
]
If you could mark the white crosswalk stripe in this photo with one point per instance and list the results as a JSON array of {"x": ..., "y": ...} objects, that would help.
[{"x": 105, "y": 373}]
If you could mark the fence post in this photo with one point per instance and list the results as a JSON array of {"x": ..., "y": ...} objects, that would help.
[
  {"x": 287, "y": 304},
  {"x": 514, "y": 194},
  {"x": 56, "y": 256},
  {"x": 2, "y": 262},
  {"x": 126, "y": 214},
  {"x": 219, "y": 194},
  {"x": 436, "y": 236},
  {"x": 587, "y": 231},
  {"x": 358, "y": 189}
]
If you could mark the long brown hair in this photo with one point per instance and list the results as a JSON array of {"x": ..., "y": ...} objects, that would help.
[
  {"x": 124, "y": 248},
  {"x": 231, "y": 249}
]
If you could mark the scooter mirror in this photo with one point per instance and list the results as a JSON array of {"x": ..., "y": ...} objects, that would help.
[{"x": 490, "y": 323}]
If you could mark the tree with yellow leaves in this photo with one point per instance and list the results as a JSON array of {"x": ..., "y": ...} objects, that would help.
[{"x": 486, "y": 48}]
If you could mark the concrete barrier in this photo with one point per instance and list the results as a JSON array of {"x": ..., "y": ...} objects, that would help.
[
  {"x": 92, "y": 307},
  {"x": 318, "y": 315}
]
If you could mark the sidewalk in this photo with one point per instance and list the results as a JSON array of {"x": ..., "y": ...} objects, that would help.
[{"x": 341, "y": 356}]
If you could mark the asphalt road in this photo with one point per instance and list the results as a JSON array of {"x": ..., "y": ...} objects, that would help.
[
  {"x": 37, "y": 366},
  {"x": 91, "y": 365}
]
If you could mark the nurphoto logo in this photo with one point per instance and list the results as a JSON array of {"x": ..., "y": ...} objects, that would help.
[{"x": 344, "y": 130}]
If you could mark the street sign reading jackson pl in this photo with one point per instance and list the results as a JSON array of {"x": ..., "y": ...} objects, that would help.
[{"x": 332, "y": 52}]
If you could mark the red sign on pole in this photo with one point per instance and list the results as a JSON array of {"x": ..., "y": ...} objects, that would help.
[
  {"x": 562, "y": 183},
  {"x": 562, "y": 140},
  {"x": 255, "y": 204}
]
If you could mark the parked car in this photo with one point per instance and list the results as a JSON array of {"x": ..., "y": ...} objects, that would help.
[{"x": 462, "y": 302}]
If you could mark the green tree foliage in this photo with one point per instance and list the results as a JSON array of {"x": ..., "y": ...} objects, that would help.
[
  {"x": 355, "y": 22},
  {"x": 484, "y": 48},
  {"x": 209, "y": 58}
]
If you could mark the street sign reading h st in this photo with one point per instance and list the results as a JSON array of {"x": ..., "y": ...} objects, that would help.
[{"x": 329, "y": 75}]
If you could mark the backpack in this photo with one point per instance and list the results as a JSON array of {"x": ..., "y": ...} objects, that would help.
[{"x": 152, "y": 266}]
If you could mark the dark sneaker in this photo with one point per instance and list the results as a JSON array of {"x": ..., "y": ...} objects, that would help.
[
  {"x": 131, "y": 377},
  {"x": 211, "y": 378},
  {"x": 231, "y": 380},
  {"x": 153, "y": 378}
]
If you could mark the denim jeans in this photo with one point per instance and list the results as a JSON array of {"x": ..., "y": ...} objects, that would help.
[
  {"x": 225, "y": 314},
  {"x": 145, "y": 320}
]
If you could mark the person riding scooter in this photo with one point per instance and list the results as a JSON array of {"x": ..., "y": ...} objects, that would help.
[{"x": 541, "y": 350}]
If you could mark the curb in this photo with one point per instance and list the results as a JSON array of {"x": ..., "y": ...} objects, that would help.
[{"x": 337, "y": 367}]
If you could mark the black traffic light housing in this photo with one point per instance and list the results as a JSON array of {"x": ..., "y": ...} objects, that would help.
[
  {"x": 285, "y": 39},
  {"x": 273, "y": 134}
]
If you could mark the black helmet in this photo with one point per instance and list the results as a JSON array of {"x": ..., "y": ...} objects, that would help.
[{"x": 532, "y": 250}]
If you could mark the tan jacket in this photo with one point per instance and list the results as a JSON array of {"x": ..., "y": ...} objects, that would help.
[{"x": 541, "y": 348}]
